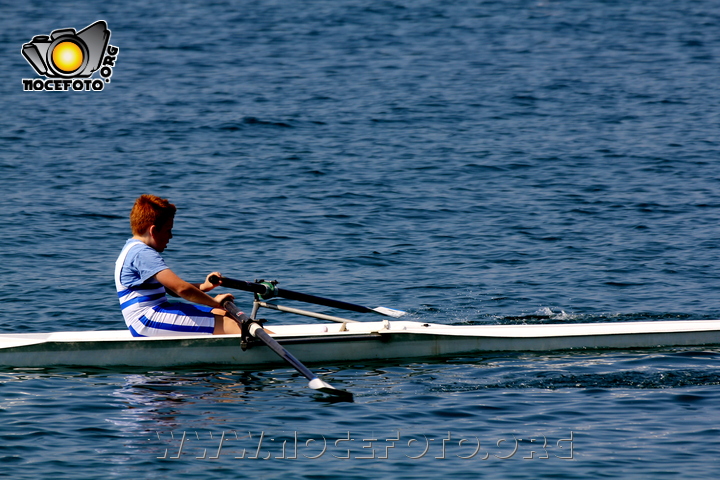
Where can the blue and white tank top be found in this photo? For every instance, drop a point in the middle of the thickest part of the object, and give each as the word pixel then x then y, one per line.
pixel 138 291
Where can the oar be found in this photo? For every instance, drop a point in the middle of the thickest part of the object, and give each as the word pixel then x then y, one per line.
pixel 256 331
pixel 267 290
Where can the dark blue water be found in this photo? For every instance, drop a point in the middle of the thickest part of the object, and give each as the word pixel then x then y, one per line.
pixel 470 162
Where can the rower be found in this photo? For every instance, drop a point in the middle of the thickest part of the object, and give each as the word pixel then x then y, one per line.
pixel 142 279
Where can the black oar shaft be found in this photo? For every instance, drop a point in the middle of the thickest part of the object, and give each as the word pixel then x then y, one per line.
pixel 272 343
pixel 262 335
pixel 327 302
pixel 262 290
pixel 239 284
pixel 284 354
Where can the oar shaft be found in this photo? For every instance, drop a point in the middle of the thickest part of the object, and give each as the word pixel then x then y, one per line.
pixel 327 302
pixel 257 331
pixel 284 354
pixel 239 284
pixel 271 342
pixel 262 290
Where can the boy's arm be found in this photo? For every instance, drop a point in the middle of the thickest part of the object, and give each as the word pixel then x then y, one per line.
pixel 186 290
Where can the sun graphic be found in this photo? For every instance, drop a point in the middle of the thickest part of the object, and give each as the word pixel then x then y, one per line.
pixel 67 56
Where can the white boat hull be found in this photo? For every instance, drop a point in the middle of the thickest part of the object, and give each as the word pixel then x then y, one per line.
pixel 348 342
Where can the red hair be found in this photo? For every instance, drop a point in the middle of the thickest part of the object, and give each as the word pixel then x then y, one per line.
pixel 150 210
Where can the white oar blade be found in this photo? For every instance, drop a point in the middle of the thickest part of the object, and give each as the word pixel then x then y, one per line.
pixel 389 312
pixel 319 385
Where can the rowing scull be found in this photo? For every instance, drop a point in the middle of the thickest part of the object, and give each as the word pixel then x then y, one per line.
pixel 345 342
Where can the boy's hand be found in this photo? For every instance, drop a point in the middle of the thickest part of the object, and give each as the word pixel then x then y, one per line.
pixel 224 297
pixel 207 286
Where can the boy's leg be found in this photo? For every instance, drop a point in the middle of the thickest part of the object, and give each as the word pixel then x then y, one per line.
pixel 224 325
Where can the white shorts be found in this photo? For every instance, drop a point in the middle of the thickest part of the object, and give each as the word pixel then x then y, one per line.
pixel 174 319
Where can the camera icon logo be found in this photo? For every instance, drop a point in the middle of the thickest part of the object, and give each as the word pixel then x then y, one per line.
pixel 66 53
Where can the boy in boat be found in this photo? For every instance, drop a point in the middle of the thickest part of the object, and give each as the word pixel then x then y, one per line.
pixel 142 277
